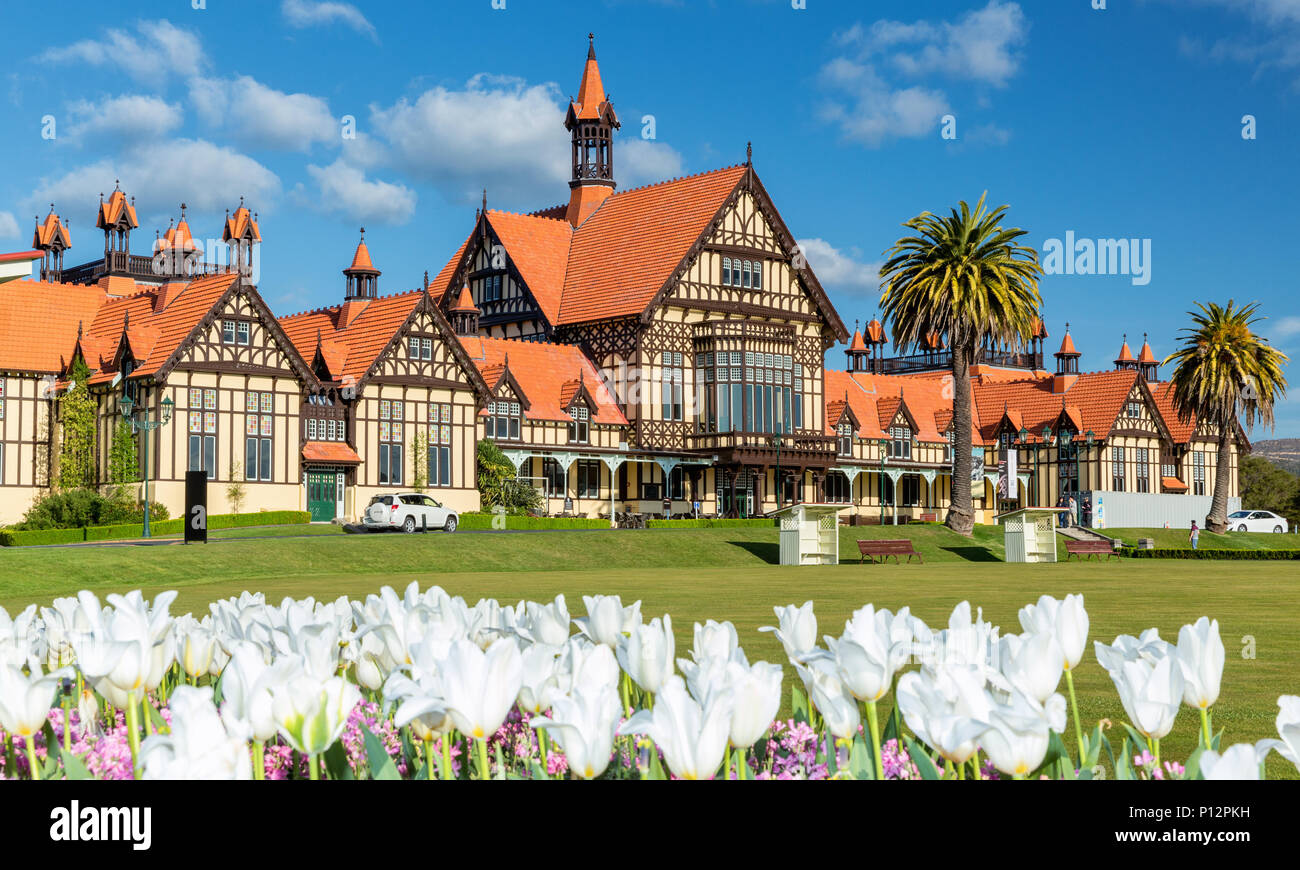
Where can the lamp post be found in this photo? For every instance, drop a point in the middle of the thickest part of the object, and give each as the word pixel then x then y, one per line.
pixel 779 487
pixel 128 409
pixel 1047 442
pixel 884 447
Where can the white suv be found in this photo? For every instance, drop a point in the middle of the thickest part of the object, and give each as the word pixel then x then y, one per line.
pixel 410 512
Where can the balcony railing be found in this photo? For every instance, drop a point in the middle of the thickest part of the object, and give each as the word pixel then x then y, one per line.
pixel 139 268
pixel 942 359
pixel 790 443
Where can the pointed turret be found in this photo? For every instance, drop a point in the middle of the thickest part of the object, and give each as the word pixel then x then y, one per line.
pixel 857 353
pixel 1125 360
pixel 362 276
pixel 51 238
pixel 1147 363
pixel 591 122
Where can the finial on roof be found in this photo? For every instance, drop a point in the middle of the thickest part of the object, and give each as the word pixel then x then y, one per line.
pixel 241 200
pixel 485 200
pixel 183 207
pixel 749 153
pixel 117 184
pixel 1067 327
pixel 591 46
pixel 80 323
pixel 126 321
pixel 318 336
pixel 426 279
pixel 363 234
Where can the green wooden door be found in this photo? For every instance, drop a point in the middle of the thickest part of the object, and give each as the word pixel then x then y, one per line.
pixel 320 495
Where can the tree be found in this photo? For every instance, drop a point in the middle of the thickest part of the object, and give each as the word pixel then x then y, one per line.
pixel 1224 370
pixel 498 484
pixel 1265 486
pixel 967 278
pixel 77 414
pixel 123 459
pixel 235 490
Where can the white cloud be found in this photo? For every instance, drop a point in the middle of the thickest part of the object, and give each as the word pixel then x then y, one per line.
pixel 640 161
pixel 263 117
pixel 1272 44
pixel 129 116
pixel 155 49
pixel 1287 327
pixel 163 174
pixel 346 189
pixel 497 132
pixel 8 226
pixel 872 105
pixel 312 13
pixel 841 270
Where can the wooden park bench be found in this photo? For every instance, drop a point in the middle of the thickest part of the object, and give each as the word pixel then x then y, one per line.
pixel 1088 549
pixel 885 549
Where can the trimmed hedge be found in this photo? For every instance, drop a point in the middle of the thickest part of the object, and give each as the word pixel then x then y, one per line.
pixel 483 522
pixel 46 537
pixel 760 522
pixel 1188 553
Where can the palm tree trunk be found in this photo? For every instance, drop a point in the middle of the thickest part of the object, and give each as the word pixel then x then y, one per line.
pixel 1217 521
pixel 961 515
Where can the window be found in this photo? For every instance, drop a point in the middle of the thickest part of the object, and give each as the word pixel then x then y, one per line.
pixel 227 332
pixel 1067 462
pixel 556 480
pixel 837 488
pixel 726 271
pixel 673 378
pixel 1133 410
pixel 242 328
pixel 440 444
pixel 589 478
pixel 578 427
pixel 911 490
pixel 419 348
pixel 1117 469
pixel 491 288
pixel 947 448
pixel 1198 473
pixel 502 422
pixel 392 418
pixel 677 484
pixel 1143 470
pixel 259 429
pixel 844 439
pixel 746 274
pixel 900 446
pixel 886 489
pixel 203 431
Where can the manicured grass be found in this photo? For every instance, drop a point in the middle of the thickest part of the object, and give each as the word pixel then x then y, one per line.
pixel 1177 539
pixel 728 574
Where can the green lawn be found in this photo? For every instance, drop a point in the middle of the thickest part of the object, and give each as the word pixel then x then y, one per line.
pixel 1177 539
pixel 728 574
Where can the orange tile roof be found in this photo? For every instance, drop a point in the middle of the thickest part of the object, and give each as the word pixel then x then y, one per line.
pixel 357 342
pixel 591 92
pixel 858 344
pixel 153 335
pixel 39 321
pixel 114 209
pixel 876 332
pixel 465 302
pixel 1147 356
pixel 1180 431
pixel 1125 355
pixel 178 237
pixel 1093 402
pixel 49 229
pixel 627 250
pixel 834 413
pixel 440 282
pixel 544 372
pixel 539 248
pixel 239 223
pixel 361 259
pixel 1067 347
pixel 330 451
pixel 1172 483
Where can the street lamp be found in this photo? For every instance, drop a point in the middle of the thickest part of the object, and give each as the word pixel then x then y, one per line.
pixel 779 487
pixel 128 409
pixel 884 448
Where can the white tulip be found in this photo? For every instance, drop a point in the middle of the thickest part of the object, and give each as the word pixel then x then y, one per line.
pixel 714 640
pixel 545 623
pixel 196 645
pixel 966 641
pixel 607 619
pixel 583 726
pixel 1288 728
pixel 1019 732
pixel 480 687
pixel 1149 648
pixel 539 683
pixel 1240 761
pixel 693 738
pixel 1032 663
pixel 198 745
pixel 1201 655
pixel 248 686
pixel 1066 620
pixel 584 663
pixel 870 651
pixel 946 708
pixel 25 701
pixel 1150 690
pixel 796 628
pixel 646 653
pixel 826 689
pixel 756 697
pixel 311 713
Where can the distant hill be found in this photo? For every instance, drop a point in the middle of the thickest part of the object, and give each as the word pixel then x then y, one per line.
pixel 1282 452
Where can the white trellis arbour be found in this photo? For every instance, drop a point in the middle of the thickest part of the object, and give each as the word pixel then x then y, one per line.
pixel 1029 534
pixel 810 533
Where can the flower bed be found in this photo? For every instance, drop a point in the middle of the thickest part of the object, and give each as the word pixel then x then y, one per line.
pixel 425 686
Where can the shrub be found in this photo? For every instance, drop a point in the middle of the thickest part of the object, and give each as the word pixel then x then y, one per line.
pixel 164 526
pixel 1185 553
pixel 514 522
pixel 759 522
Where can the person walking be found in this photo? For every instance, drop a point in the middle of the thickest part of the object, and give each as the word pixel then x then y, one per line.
pixel 1195 535
pixel 1074 511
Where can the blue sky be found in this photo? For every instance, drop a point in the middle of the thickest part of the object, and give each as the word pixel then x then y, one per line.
pixel 1119 123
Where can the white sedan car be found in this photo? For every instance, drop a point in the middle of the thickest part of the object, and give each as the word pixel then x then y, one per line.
pixel 410 512
pixel 1256 521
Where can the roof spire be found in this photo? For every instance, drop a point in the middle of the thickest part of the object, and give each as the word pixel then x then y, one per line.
pixel 591 46
pixel 426 279
pixel 749 153
pixel 485 200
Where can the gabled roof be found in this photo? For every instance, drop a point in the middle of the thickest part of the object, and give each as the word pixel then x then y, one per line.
pixel 591 102
pixel 241 224
pixel 50 229
pixel 1067 346
pixel 353 345
pixel 116 209
pixel 39 322
pixel 1163 393
pixel 1147 356
pixel 539 248
pixel 1093 402
pixel 178 238
pixel 440 282
pixel 361 259
pixel 547 375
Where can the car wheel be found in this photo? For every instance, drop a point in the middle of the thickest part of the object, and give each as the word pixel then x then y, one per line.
pixel 1277 530
pixel 409 526
pixel 1241 528
pixel 450 525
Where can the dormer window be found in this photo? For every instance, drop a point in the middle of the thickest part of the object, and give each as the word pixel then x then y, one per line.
pixel 420 348
pixel 844 439
pixel 579 427
pixel 491 287
pixel 900 446
pixel 1133 410
pixel 502 422
pixel 235 332
pixel 745 274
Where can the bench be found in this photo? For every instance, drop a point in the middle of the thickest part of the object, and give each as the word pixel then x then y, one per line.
pixel 1088 549
pixel 929 518
pixel 885 549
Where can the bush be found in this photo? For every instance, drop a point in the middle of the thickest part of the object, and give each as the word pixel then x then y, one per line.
pixel 126 531
pixel 760 522
pixel 1186 553
pixel 479 521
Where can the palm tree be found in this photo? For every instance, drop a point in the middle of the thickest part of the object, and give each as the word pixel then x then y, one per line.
pixel 967 278
pixel 1225 370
